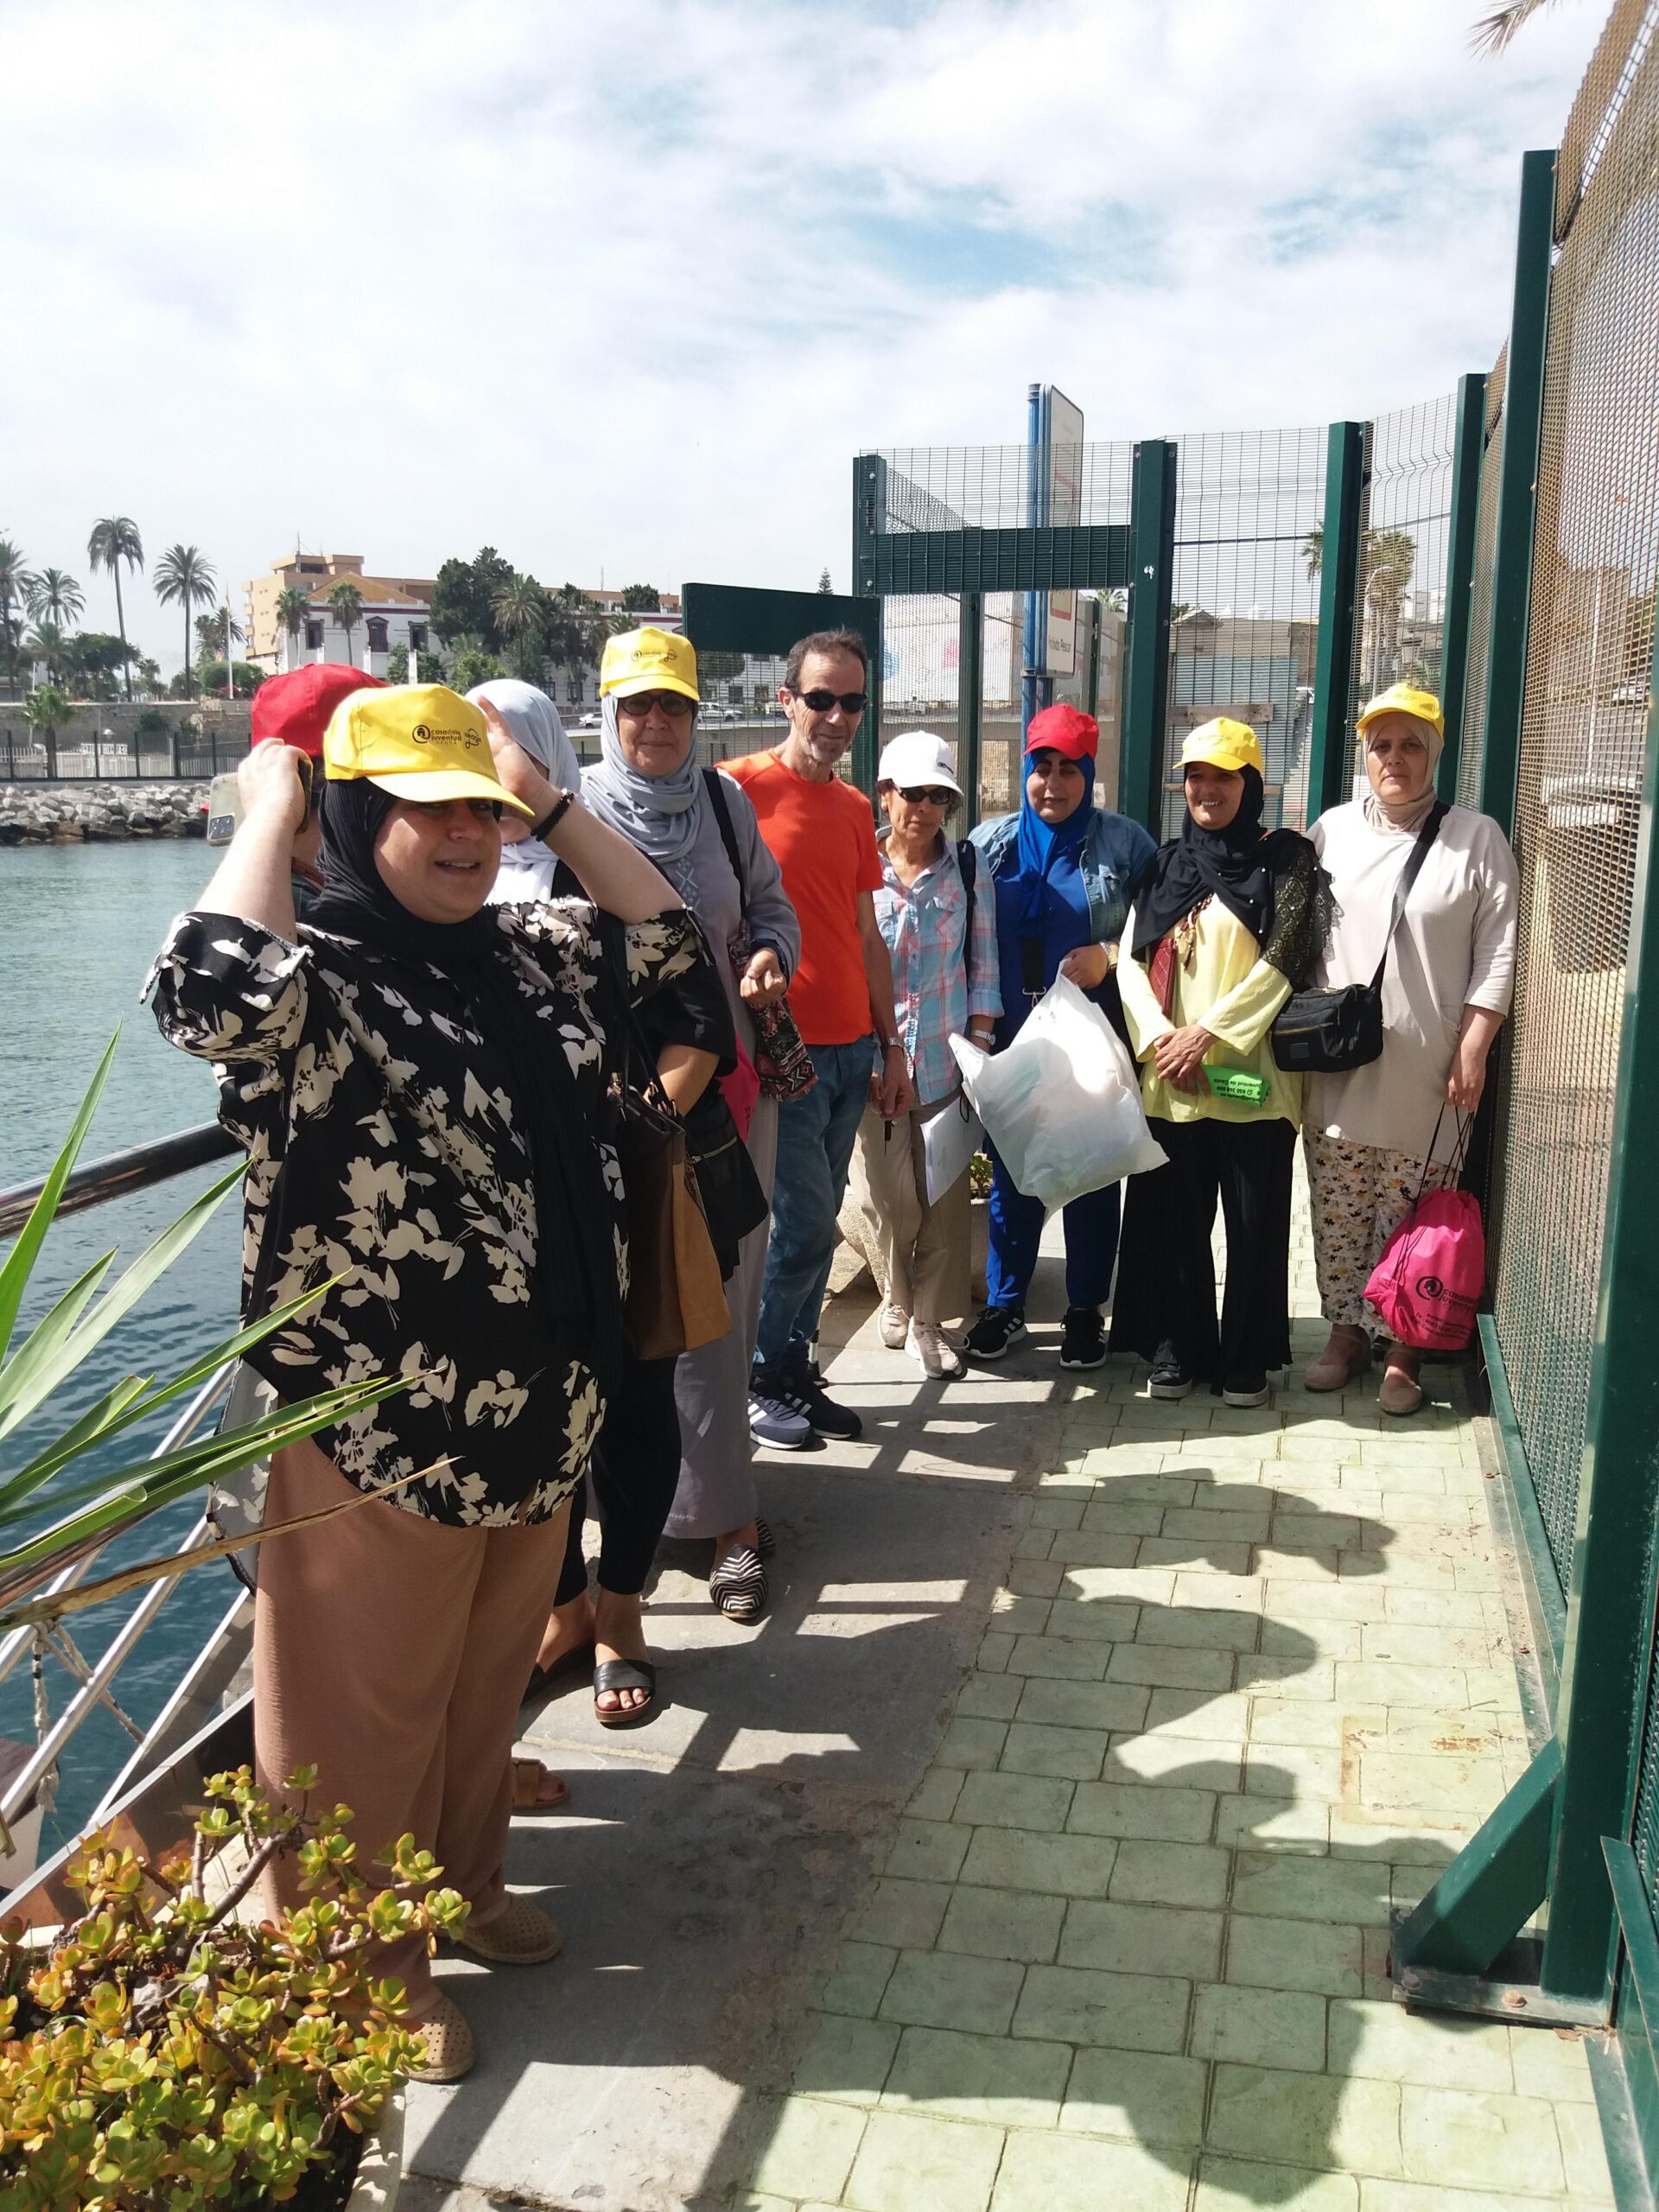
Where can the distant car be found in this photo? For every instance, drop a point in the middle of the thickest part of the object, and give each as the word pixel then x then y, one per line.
pixel 591 721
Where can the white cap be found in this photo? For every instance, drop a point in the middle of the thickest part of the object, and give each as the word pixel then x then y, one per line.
pixel 916 760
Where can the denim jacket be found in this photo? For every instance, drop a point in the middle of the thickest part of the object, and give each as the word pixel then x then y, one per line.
pixel 1114 852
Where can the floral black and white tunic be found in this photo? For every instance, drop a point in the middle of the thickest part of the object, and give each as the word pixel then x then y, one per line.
pixel 383 1150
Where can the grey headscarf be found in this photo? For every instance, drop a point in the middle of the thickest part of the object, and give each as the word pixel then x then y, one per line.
pixel 532 722
pixel 660 815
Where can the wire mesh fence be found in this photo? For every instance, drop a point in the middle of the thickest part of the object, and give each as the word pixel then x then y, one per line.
pixel 1472 757
pixel 1249 509
pixel 1590 644
pixel 1401 621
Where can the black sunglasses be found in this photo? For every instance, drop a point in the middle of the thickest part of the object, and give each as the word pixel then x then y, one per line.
pixel 850 703
pixel 638 704
pixel 930 796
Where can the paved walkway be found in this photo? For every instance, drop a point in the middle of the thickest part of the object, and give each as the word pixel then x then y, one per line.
pixel 1043 1858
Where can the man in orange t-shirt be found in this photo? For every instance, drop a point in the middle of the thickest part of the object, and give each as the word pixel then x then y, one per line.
pixel 822 835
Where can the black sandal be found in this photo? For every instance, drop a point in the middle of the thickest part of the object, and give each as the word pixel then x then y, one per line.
pixel 625 1675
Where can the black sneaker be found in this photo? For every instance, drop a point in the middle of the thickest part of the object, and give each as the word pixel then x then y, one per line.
pixel 996 1329
pixel 1084 1343
pixel 1167 1380
pixel 1245 1390
pixel 798 1390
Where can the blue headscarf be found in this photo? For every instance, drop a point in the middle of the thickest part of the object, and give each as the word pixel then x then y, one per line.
pixel 1039 845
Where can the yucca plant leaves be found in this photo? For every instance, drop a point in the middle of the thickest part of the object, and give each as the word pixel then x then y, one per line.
pixel 19 1261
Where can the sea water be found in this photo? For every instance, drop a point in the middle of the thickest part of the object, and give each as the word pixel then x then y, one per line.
pixel 80 925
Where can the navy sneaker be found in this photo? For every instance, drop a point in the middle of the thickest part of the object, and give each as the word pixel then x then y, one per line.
pixel 802 1392
pixel 771 1421
pixel 997 1328
pixel 1084 1343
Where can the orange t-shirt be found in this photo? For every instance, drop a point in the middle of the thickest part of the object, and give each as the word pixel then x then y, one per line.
pixel 823 837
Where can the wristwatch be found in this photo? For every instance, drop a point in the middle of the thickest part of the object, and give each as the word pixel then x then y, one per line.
pixel 889 1044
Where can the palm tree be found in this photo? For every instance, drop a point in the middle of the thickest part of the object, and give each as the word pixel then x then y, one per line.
pixel 1389 557
pixel 292 606
pixel 16 584
pixel 184 578
pixel 1313 550
pixel 346 605
pixel 520 609
pixel 115 539
pixel 46 710
pixel 55 597
pixel 46 644
pixel 1493 33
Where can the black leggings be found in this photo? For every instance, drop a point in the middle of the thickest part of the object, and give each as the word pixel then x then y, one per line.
pixel 636 1471
pixel 1166 1303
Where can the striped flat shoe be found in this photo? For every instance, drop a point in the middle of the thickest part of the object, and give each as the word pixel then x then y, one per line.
pixel 738 1584
pixel 764 1542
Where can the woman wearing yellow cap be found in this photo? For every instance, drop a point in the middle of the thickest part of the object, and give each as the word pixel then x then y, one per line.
pixel 1376 1135
pixel 1228 920
pixel 419 1082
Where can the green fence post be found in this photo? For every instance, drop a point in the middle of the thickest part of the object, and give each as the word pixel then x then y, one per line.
pixel 1331 764
pixel 1152 575
pixel 1610 1619
pixel 1468 443
pixel 869 520
pixel 1523 403
pixel 970 656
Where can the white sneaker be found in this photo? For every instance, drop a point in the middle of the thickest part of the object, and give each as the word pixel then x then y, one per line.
pixel 894 1325
pixel 934 1351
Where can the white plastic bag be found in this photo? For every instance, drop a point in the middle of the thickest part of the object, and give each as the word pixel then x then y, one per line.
pixel 1061 1104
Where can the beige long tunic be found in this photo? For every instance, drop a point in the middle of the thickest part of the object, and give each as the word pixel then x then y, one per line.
pixel 1455 947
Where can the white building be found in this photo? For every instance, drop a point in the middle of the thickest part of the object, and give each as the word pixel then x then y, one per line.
pixel 395 611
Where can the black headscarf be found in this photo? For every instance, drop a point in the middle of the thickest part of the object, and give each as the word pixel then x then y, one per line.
pixel 1271 880
pixel 576 1253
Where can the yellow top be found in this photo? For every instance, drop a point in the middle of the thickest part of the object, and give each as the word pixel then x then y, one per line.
pixel 1235 994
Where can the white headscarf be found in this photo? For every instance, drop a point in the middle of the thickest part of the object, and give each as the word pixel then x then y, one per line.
pixel 532 722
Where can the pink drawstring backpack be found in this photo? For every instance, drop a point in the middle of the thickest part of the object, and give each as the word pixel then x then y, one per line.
pixel 741 1092
pixel 1427 1285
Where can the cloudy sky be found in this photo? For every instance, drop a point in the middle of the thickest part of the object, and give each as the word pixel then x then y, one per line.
pixel 625 288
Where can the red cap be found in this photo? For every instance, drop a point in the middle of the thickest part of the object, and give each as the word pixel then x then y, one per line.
pixel 296 709
pixel 1064 729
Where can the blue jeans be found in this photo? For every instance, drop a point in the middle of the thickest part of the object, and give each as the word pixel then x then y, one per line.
pixel 815 1136
pixel 1016 1228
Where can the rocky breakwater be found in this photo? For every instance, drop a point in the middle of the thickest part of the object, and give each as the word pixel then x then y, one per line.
pixel 96 814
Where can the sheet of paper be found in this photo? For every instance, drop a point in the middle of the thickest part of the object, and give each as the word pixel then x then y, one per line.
pixel 950 1141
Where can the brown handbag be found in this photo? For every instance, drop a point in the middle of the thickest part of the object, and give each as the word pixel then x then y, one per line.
pixel 676 1300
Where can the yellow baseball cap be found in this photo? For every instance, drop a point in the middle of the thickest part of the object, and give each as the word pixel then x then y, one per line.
pixel 648 660
pixel 1223 744
pixel 1405 699
pixel 416 740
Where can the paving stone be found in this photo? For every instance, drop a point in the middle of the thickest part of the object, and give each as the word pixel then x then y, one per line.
pixel 1291 1888
pixel 1231 2186
pixel 1019 1615
pixel 1150 1810
pixel 1249 2025
pixel 1014 1801
pixel 1079 2173
pixel 1190 1763
pixel 1390 2044
pixel 1267 1823
pixel 1034 1542
pixel 907 2159
pixel 1163 1872
pixel 1035 1578
pixel 1289 1721
pixel 1213 1555
pixel 969 1743
pixel 989 1697
pixel 1214 1719
pixel 994 2080
pixel 1439 1783
pixel 1419 2197
pixel 904 1915
pixel 1124 1517
pixel 1201 1627
pixel 1551 2063
pixel 1143 1939
pixel 934 1796
pixel 1326 1958
pixel 847 2059
pixel 1381 1682
pixel 1240 1593
pixel 939 1989
pixel 1003 1924
pixel 1458 2136
pixel 927 1851
pixel 1313 2119
pixel 1100 1620
pixel 1058 1513
pixel 1142 2096
pixel 811 2149
pixel 1583 2151
pixel 1124 2011
pixel 993 1655
pixel 1061 1657
pixel 1232 1523
pixel 1087 1547
pixel 1075 1754
pixel 1083 1705
pixel 854 1984
pixel 1134 1584
pixel 1297 1771
pixel 1169 1667
pixel 1060 1866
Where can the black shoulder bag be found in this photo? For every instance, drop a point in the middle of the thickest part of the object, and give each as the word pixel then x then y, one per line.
pixel 1327 1031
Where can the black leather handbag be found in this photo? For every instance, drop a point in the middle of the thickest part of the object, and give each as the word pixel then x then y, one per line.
pixel 1328 1030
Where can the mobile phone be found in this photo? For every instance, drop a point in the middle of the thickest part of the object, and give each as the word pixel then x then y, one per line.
pixel 225 804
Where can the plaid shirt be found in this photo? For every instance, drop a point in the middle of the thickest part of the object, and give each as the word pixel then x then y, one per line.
pixel 923 923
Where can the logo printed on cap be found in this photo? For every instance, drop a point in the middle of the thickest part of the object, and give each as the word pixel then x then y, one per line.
pixel 423 734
